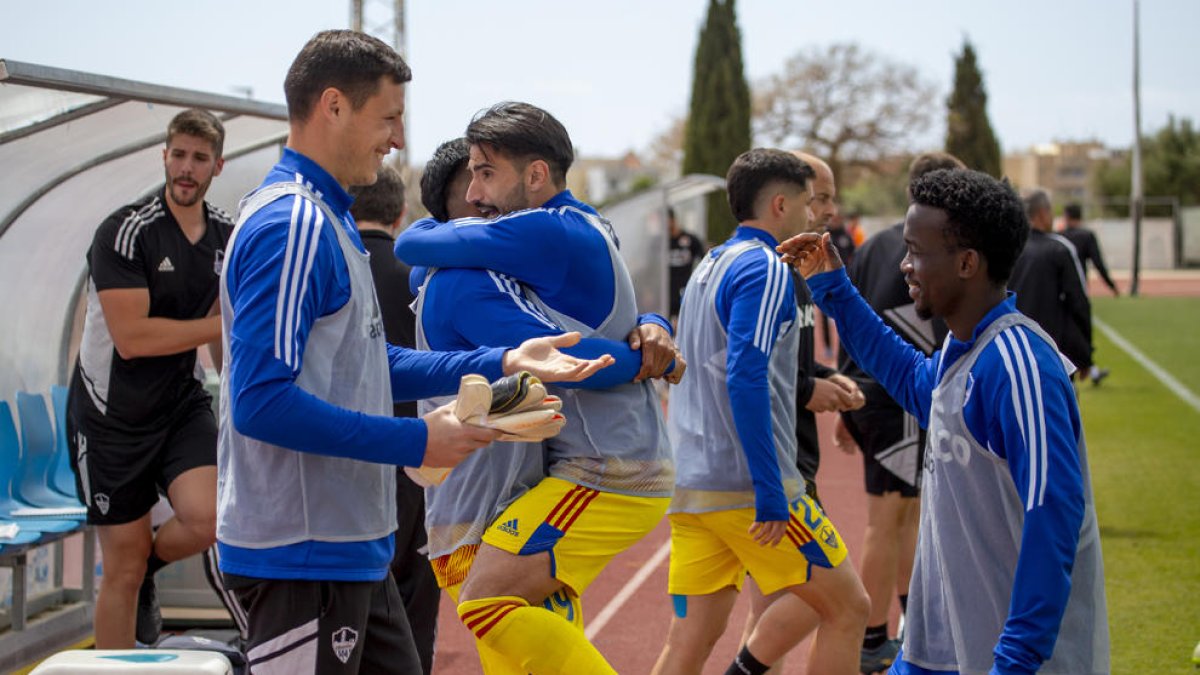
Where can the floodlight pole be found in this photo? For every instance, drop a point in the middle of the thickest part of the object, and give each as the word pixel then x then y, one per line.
pixel 1136 197
pixel 398 40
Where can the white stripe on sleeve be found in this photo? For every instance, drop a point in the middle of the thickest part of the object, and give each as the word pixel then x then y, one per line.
pixel 508 286
pixel 772 302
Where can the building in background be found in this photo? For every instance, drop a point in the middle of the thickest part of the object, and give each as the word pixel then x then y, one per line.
pixel 1065 169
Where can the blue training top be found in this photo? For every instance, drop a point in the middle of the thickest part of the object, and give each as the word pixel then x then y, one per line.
pixel 281 279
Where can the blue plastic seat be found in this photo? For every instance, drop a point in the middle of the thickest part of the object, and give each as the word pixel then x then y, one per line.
pixel 62 478
pixel 37 454
pixel 10 462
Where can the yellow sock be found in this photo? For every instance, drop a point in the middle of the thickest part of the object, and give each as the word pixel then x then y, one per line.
pixel 537 640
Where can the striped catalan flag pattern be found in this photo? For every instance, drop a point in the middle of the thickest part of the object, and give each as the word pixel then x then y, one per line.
pixel 480 621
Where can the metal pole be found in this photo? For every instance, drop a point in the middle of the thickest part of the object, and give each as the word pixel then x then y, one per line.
pixel 402 47
pixel 356 15
pixel 1136 196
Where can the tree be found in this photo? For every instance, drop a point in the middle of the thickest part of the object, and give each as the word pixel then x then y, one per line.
pixel 969 134
pixel 1170 167
pixel 843 104
pixel 718 127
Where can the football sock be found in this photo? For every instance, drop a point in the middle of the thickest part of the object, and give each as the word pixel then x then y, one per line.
pixel 154 564
pixel 746 664
pixel 531 637
pixel 875 636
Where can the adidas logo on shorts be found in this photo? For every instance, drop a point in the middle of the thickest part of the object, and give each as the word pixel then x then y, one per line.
pixel 509 527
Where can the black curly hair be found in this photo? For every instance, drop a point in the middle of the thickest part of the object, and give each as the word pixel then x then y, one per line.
pixel 984 214
pixel 449 158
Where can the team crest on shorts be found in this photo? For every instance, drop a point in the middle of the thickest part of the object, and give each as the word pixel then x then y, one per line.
pixel 102 503
pixel 829 536
pixel 344 640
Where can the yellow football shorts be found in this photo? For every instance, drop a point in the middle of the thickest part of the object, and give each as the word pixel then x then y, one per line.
pixel 710 551
pixel 581 528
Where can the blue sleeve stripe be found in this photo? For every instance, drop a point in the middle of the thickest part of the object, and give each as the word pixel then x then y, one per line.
pixel 772 301
pixel 1021 364
pixel 509 287
pixel 298 257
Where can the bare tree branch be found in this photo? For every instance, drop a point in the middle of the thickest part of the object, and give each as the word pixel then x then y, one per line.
pixel 850 106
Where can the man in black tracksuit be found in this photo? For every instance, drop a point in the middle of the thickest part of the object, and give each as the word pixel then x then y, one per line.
pixel 1086 245
pixel 1049 284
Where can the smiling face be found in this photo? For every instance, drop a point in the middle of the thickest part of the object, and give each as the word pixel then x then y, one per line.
pixel 366 135
pixel 932 264
pixel 190 163
pixel 497 182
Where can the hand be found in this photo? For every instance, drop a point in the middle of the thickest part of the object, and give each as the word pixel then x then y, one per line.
pixel 449 440
pixel 857 398
pixel 769 533
pixel 842 438
pixel 658 351
pixel 810 253
pixel 541 357
pixel 828 396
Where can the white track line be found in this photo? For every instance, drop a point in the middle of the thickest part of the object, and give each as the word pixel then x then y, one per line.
pixel 610 610
pixel 1156 370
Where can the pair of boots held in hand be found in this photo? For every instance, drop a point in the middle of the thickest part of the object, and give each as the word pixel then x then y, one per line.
pixel 517 404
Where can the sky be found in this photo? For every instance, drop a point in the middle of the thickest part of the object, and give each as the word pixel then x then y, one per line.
pixel 617 72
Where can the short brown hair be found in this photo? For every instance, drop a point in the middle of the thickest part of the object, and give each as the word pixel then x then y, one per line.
pixel 382 201
pixel 349 61
pixel 201 124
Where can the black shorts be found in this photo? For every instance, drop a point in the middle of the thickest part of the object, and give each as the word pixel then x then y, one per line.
pixel 327 627
pixel 120 473
pixel 892 448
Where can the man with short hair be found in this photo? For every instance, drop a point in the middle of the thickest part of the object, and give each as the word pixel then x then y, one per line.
pixel 468 308
pixel 1087 246
pixel 1050 286
pixel 139 421
pixel 308 446
pixel 890 440
pixel 740 504
pixel 819 388
pixel 1008 576
pixel 610 469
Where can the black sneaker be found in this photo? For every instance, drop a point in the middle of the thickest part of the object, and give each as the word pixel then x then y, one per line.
pixel 878 660
pixel 1098 376
pixel 149 614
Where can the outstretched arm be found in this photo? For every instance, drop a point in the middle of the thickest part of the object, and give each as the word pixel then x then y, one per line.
pixel 905 372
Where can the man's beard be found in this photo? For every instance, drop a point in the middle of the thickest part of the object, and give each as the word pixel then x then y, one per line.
pixel 198 193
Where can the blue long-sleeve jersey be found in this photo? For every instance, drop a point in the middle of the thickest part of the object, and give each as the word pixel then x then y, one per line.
pixel 1033 426
pixel 280 280
pixel 755 302
pixel 548 248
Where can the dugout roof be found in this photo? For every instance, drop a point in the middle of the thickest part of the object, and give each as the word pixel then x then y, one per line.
pixel 75 146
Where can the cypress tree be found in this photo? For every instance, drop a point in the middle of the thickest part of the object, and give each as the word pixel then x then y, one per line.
pixel 969 134
pixel 718 128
